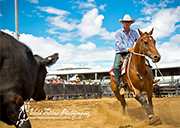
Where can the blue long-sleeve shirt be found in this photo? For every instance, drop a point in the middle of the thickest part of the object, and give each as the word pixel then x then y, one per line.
pixel 124 41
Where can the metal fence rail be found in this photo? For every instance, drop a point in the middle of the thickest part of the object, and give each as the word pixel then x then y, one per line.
pixel 165 91
pixel 66 89
pixel 169 90
pixel 107 91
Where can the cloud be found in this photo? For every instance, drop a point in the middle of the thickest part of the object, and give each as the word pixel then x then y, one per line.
pixel 1 14
pixel 90 1
pixel 33 1
pixel 149 9
pixel 39 14
pixel 52 10
pixel 164 3
pixel 147 18
pixel 164 22
pixel 134 1
pixel 101 7
pixel 90 24
pixel 69 54
pixel 60 21
pixel 170 52
pixel 66 36
pixel 85 5
pixel 175 38
pixel 107 35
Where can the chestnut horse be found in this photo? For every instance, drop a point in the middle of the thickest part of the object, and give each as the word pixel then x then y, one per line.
pixel 138 76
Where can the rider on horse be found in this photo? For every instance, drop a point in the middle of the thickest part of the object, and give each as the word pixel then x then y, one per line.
pixel 125 39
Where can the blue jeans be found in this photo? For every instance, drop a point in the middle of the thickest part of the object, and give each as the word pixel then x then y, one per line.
pixel 117 67
pixel 150 68
pixel 151 72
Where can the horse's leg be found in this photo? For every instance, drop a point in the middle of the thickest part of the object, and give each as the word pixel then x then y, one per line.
pixel 139 97
pixel 116 92
pixel 150 102
pixel 121 99
pixel 155 119
pixel 149 95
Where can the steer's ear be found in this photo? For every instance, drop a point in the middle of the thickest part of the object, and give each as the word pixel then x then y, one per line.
pixel 50 60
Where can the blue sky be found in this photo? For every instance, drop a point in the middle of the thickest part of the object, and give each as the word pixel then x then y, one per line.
pixel 82 31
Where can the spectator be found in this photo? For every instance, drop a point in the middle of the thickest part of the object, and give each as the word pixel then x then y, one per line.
pixel 90 82
pixel 66 82
pixel 48 81
pixel 78 81
pixel 72 82
pixel 60 81
pixel 55 81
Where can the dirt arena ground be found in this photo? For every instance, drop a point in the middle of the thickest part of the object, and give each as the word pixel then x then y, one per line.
pixel 100 113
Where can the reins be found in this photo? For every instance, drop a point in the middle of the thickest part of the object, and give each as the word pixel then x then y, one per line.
pixel 128 75
pixel 140 76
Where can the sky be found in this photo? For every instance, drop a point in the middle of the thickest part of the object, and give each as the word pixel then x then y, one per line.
pixel 82 31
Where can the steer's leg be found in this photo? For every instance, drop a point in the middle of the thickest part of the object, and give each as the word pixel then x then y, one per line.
pixel 16 112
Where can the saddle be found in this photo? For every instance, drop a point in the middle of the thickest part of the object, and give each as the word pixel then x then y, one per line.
pixel 123 64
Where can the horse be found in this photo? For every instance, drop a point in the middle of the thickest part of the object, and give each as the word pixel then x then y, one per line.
pixel 138 76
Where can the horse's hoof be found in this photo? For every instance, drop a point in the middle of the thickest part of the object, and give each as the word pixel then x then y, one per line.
pixel 155 120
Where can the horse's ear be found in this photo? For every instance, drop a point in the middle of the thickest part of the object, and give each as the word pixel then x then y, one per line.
pixel 141 33
pixel 151 32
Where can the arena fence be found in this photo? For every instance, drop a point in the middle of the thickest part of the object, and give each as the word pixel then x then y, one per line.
pixel 169 91
pixel 84 90
pixel 165 91
pixel 107 91
pixel 66 90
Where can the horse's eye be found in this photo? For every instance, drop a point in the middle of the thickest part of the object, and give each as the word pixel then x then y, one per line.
pixel 146 42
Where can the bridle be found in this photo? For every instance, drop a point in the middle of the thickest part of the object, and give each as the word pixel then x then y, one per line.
pixel 144 51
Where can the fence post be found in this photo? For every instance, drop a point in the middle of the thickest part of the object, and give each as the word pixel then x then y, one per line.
pixel 99 90
pixel 64 91
pixel 177 87
pixel 84 91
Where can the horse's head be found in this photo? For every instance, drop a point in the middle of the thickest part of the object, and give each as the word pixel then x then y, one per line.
pixel 147 46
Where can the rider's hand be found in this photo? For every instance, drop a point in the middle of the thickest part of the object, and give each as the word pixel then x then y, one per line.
pixel 131 49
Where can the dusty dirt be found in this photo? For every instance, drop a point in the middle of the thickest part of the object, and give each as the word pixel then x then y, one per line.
pixel 100 113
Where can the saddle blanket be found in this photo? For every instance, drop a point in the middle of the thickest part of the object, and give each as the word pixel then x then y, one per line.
pixel 122 70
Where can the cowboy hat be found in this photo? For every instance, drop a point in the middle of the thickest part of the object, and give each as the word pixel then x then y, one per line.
pixel 127 18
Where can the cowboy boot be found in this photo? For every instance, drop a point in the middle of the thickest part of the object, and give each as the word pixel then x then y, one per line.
pixel 122 91
pixel 122 87
pixel 155 81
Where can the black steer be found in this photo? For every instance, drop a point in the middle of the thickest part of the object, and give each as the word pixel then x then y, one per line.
pixel 22 76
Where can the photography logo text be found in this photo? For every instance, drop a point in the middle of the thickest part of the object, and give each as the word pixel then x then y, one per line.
pixel 47 113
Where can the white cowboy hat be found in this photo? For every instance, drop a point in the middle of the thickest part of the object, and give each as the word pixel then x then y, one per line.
pixel 127 18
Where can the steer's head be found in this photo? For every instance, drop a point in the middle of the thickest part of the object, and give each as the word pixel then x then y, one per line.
pixel 39 93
